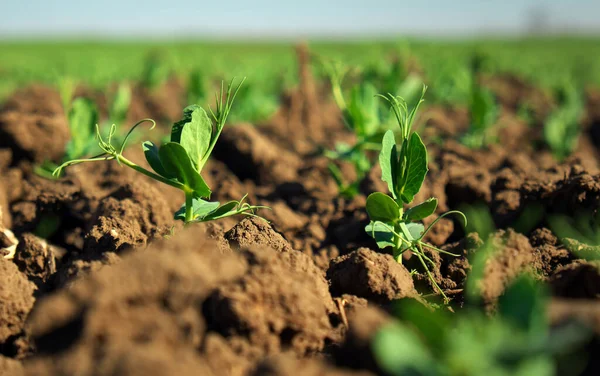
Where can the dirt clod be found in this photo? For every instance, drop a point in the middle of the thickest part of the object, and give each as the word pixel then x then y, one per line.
pixel 16 295
pixel 374 276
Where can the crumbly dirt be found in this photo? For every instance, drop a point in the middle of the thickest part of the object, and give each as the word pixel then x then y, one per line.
pixel 16 295
pixel 118 287
pixel 33 125
pixel 11 367
pixel 253 312
pixel 370 275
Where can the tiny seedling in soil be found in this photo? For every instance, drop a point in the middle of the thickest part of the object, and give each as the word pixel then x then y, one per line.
pixel 361 113
pixel 518 340
pixel 562 127
pixel 179 162
pixel 82 118
pixel 403 168
pixel 196 87
pixel 483 111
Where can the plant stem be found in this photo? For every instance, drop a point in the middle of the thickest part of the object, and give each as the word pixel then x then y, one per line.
pixel 398 241
pixel 420 257
pixel 189 207
pixel 121 159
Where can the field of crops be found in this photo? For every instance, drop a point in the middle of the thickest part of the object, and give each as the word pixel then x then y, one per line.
pixel 414 207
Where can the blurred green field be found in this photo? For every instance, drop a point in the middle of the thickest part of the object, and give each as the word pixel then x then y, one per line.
pixel 545 62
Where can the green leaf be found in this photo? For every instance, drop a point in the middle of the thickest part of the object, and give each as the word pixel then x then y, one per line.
pixel 411 232
pixel 179 125
pixel 388 160
pixel 524 305
pixel 434 326
pixel 421 211
pixel 83 117
pixel 196 135
pixel 381 233
pixel 399 351
pixel 222 210
pixel 153 158
pixel 414 170
pixel 200 209
pixel 175 160
pixel 120 104
pixel 362 112
pixel 382 207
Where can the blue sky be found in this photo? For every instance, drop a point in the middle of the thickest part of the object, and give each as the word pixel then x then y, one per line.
pixel 175 18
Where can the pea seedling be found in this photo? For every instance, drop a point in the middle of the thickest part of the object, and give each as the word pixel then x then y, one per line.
pixel 82 117
pixel 404 170
pixel 562 127
pixel 179 162
pixel 483 110
pixel 361 114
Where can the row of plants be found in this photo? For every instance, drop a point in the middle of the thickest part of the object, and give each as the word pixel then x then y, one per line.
pixel 427 340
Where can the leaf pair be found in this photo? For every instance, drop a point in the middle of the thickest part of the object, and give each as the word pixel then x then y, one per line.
pixel 362 110
pixel 403 172
pixel 389 227
pixel 382 207
pixel 184 156
pixel 204 211
pixel 83 117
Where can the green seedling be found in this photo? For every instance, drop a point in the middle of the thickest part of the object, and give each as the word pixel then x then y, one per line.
pixel 258 102
pixel 483 111
pixel 361 113
pixel 119 106
pixel 155 71
pixel 580 234
pixel 518 340
pixel 403 168
pixel 179 162
pixel 66 89
pixel 393 77
pixel 562 127
pixel 82 119
pixel 196 87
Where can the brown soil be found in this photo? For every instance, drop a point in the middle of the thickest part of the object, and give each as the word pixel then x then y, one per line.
pixel 117 287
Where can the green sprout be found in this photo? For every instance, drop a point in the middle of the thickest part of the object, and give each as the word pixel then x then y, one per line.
pixel 119 105
pixel 82 118
pixel 483 110
pixel 179 162
pixel 258 102
pixel 562 127
pixel 155 72
pixel 361 114
pixel 518 340
pixel 403 168
pixel 196 87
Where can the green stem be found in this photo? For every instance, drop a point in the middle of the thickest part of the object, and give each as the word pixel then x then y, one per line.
pixel 338 96
pixel 189 207
pixel 121 159
pixel 429 273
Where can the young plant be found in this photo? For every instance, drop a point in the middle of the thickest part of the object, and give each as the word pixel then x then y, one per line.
pixel 179 162
pixel 258 102
pixel 403 168
pixel 82 118
pixel 483 111
pixel 196 87
pixel 562 127
pixel 361 113
pixel 119 106
pixel 155 71
pixel 518 340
